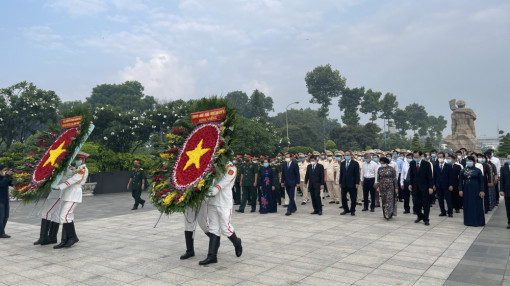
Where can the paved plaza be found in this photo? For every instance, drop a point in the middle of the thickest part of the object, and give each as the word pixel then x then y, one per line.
pixel 121 247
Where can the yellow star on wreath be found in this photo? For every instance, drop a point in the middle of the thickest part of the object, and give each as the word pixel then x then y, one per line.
pixel 54 154
pixel 195 155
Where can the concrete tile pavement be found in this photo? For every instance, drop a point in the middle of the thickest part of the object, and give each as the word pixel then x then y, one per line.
pixel 120 247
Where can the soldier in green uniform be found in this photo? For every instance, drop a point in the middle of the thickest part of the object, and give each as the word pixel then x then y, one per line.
pixel 238 162
pixel 248 182
pixel 138 181
pixel 276 166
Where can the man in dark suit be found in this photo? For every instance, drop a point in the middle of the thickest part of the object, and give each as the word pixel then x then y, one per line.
pixel 349 182
pixel 290 180
pixel 505 187
pixel 442 172
pixel 314 182
pixel 454 183
pixel 421 186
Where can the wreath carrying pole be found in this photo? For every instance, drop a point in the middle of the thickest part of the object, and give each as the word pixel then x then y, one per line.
pixel 160 215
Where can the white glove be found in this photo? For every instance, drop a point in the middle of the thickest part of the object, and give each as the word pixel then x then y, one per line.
pixel 213 191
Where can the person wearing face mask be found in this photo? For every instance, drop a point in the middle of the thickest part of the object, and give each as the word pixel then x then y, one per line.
pixel 249 177
pixel 314 181
pixel 267 193
pixel 488 179
pixel 138 182
pixel 387 187
pixel 399 160
pixel 375 159
pixel 302 164
pixel 404 183
pixel 336 185
pixel 290 180
pixel 349 183
pixel 367 178
pixel 5 183
pixel 236 191
pixel 433 157
pixel 505 187
pixel 71 194
pixel 421 184
pixel 442 174
pixel 454 182
pixel 497 165
pixel 471 189
pixel 330 177
pixel 463 156
pixel 277 171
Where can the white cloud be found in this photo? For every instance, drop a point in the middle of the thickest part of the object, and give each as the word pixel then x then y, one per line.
pixel 162 76
pixel 43 36
pixel 79 7
pixel 257 84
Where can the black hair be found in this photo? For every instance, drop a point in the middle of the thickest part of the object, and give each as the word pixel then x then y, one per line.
pixel 417 151
pixel 471 158
pixel 385 160
pixel 451 157
pixel 409 154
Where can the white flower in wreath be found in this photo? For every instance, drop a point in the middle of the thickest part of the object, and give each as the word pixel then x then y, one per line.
pixel 164 116
pixel 113 133
pixel 105 138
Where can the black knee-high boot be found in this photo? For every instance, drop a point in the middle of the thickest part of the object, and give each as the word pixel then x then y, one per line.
pixel 63 240
pixel 190 251
pixel 72 238
pixel 43 235
pixel 214 244
pixel 52 237
pixel 236 241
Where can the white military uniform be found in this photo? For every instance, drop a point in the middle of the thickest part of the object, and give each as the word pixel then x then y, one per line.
pixel 302 173
pixel 218 208
pixel 331 168
pixel 52 206
pixel 190 214
pixel 71 193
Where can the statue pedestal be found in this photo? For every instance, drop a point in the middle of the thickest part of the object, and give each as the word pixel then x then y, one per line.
pixel 459 141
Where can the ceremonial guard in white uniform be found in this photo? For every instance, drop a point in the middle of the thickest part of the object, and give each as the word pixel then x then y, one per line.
pixel 190 217
pixel 215 219
pixel 71 194
pixel 50 221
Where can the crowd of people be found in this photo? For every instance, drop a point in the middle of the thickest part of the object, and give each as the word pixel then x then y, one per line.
pixel 463 180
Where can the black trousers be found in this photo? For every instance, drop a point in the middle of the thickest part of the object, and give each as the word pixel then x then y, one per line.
pixel 406 195
pixel 315 193
pixel 249 192
pixel 4 215
pixel 400 194
pixel 442 195
pixel 421 201
pixel 456 199
pixel 137 193
pixel 236 193
pixel 507 207
pixel 368 188
pixel 290 192
pixel 353 194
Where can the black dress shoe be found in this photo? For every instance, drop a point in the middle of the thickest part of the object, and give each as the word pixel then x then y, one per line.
pixel 359 204
pixel 364 210
pixel 314 212
pixel 337 202
pixel 134 208
pixel 426 223
pixel 508 226
pixel 372 210
pixel 285 206
pixel 343 213
pixel 417 220
pixel 294 211
pixel 252 211
pixel 450 215
pixel 442 214
pixel 353 214
pixel 303 203
pixel 319 213
pixel 457 211
pixel 142 203
pixel 406 212
pixel 5 235
pixel 240 211
pixel 288 213
pixel 332 202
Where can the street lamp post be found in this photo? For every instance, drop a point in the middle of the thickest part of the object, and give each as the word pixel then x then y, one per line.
pixel 287 121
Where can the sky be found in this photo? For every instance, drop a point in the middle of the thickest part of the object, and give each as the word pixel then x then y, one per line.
pixel 426 52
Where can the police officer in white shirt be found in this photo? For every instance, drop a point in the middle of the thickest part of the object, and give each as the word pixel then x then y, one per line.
pixel 368 174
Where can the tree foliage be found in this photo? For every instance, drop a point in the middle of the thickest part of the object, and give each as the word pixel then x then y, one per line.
pixel 257 136
pixel 415 144
pixel 349 103
pixel 371 104
pixel 24 109
pixel 363 135
pixel 127 96
pixel 259 105
pixel 504 145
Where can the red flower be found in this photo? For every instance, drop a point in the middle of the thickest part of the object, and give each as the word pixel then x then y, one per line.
pixel 178 130
pixel 213 170
pixel 173 150
pixel 221 144
pixel 196 189
pixel 179 195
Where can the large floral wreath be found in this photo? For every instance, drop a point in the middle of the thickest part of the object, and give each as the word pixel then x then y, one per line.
pixel 34 181
pixel 192 157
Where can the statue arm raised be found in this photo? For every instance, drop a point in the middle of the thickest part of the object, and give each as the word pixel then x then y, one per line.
pixel 453 107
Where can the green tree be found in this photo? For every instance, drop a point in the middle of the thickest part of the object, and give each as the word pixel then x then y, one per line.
pixel 238 100
pixel 330 144
pixel 428 145
pixel 24 109
pixel 354 146
pixel 436 127
pixel 349 102
pixel 388 105
pixel 127 96
pixel 415 144
pixel 300 149
pixel 363 135
pixel 256 136
pixel 259 104
pixel 401 120
pixel 504 145
pixel 371 104
pixel 417 118
pixel 323 84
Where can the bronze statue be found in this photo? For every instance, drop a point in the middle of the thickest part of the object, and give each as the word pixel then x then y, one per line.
pixel 463 127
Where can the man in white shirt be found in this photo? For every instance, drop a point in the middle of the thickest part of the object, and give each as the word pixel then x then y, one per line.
pixel 303 164
pixel 404 183
pixel 368 174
